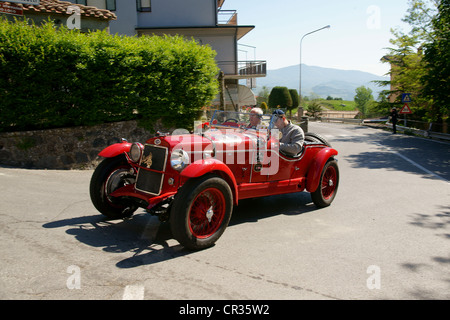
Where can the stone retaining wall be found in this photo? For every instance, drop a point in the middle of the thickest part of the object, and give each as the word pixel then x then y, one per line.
pixel 65 148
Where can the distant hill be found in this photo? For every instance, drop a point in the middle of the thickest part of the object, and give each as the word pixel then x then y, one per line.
pixel 322 81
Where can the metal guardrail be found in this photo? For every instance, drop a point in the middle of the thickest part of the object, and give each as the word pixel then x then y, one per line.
pixel 424 133
pixel 436 135
pixel 420 132
pixel 347 120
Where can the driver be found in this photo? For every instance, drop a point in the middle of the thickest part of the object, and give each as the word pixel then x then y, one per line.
pixel 255 118
pixel 292 136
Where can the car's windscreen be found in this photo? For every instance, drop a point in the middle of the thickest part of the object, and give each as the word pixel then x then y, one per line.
pixel 232 119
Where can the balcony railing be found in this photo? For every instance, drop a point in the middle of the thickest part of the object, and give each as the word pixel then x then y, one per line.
pixel 227 17
pixel 252 68
pixel 243 69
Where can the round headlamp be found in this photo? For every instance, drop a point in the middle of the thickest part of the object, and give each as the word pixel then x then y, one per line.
pixel 179 159
pixel 136 152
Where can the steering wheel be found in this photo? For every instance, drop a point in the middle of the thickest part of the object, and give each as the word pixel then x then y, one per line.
pixel 231 120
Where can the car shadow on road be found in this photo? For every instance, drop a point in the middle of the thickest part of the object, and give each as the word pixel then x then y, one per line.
pixel 252 210
pixel 143 235
pixel 151 241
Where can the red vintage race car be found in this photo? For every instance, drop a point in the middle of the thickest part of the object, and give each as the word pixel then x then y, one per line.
pixel 194 180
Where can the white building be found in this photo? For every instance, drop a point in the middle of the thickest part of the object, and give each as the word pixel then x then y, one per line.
pixel 203 20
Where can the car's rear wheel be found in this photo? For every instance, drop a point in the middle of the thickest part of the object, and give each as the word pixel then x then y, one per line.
pixel 328 185
pixel 110 175
pixel 315 137
pixel 201 212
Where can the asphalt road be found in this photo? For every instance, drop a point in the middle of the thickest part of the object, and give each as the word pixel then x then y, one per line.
pixel 386 236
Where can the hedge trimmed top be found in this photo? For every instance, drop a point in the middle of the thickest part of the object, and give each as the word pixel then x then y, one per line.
pixel 53 77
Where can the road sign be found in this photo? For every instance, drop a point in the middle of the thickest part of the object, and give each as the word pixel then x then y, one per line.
pixel 11 8
pixel 406 98
pixel 406 109
pixel 35 2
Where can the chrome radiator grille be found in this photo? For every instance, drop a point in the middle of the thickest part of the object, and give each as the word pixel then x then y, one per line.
pixel 155 158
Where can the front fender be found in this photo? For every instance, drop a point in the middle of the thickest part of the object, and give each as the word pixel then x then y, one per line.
pixel 201 167
pixel 314 172
pixel 115 150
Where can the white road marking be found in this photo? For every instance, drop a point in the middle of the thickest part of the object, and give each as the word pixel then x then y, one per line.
pixel 133 293
pixel 412 162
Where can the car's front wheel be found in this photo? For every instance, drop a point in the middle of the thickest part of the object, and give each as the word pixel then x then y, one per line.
pixel 328 185
pixel 110 175
pixel 201 212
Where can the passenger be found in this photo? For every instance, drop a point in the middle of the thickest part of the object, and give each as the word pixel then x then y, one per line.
pixel 255 118
pixel 292 136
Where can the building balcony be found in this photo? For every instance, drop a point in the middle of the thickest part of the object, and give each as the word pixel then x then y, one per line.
pixel 243 69
pixel 227 18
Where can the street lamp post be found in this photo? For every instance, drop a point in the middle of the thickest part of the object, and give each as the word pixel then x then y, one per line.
pixel 301 41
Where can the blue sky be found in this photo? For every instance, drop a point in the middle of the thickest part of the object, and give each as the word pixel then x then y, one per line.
pixel 359 33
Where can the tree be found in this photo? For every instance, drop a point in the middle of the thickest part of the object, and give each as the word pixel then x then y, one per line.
pixel 408 66
pixel 295 100
pixel 314 109
pixel 263 95
pixel 406 73
pixel 437 56
pixel 419 16
pixel 264 107
pixel 280 98
pixel 382 106
pixel 363 98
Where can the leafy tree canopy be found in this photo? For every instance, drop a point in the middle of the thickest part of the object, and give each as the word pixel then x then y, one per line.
pixel 419 60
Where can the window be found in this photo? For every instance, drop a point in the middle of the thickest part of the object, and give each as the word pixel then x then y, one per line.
pixel 111 5
pixel 144 5
pixel 101 4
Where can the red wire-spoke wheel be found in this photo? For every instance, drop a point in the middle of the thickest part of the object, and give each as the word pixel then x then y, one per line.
pixel 329 182
pixel 207 213
pixel 201 212
pixel 328 185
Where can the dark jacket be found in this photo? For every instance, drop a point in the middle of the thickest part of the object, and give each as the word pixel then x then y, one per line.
pixel 394 116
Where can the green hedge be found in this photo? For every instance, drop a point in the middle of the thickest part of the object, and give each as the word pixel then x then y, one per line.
pixel 280 98
pixel 53 77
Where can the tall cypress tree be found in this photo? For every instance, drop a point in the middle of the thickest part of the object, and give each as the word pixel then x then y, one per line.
pixel 280 98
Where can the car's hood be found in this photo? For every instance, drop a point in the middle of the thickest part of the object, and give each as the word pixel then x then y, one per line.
pixel 215 139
